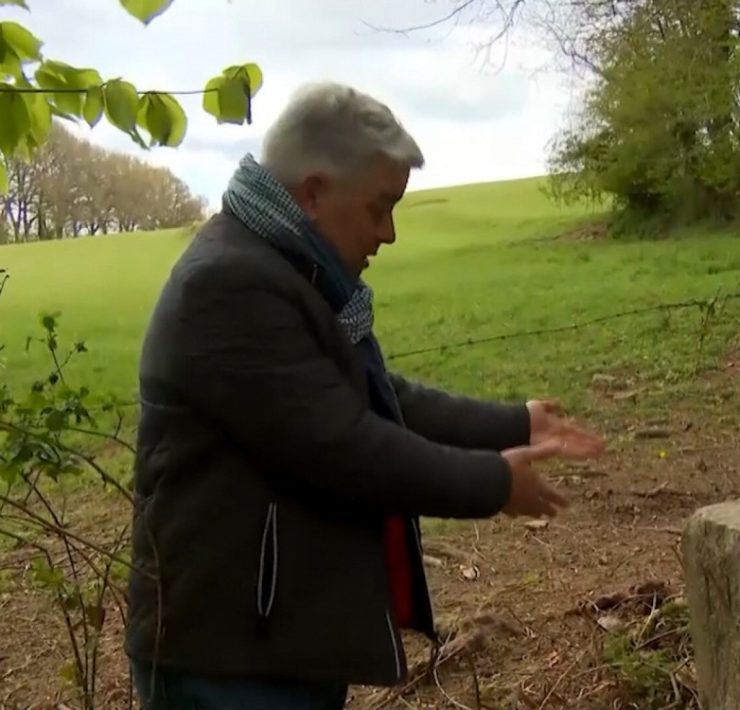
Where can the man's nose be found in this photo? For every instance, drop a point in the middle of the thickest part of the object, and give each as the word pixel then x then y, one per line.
pixel 388 233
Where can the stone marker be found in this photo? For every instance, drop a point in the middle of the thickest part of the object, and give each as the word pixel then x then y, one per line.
pixel 711 551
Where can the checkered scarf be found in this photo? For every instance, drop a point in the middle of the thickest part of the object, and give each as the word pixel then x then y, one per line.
pixel 265 207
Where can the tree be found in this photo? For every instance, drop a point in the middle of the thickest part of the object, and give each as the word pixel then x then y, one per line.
pixel 28 103
pixel 660 126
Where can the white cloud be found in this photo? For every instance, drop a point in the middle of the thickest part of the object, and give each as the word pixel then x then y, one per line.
pixel 473 124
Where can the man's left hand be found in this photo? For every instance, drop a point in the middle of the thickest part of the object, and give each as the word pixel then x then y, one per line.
pixel 548 422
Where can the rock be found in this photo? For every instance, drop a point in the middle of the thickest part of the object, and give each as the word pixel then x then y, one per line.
pixel 711 551
pixel 610 623
pixel 433 561
pixel 539 524
pixel 470 573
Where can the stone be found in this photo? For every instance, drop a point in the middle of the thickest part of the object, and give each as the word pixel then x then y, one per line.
pixel 711 552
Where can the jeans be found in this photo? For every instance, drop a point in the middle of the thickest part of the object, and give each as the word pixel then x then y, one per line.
pixel 174 690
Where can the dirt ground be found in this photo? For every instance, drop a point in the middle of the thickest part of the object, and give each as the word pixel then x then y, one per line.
pixel 527 610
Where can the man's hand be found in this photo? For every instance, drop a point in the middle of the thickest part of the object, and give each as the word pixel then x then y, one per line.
pixel 548 423
pixel 530 494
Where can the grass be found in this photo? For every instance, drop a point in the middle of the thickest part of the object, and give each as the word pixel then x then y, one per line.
pixel 470 262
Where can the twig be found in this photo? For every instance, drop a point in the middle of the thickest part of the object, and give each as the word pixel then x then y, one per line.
pixel 562 677
pixel 42 522
pixel 476 681
pixel 659 637
pixel 68 90
pixel 667 530
pixel 448 697
pixel 75 575
pixel 416 28
pixel 56 444
pixel 60 598
pixel 103 435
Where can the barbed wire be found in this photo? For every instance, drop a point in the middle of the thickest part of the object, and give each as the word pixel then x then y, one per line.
pixel 692 303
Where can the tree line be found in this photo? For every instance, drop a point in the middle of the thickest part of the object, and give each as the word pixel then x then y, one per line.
pixel 658 133
pixel 71 188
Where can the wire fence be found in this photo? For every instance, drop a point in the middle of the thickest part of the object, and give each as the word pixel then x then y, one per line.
pixel 711 302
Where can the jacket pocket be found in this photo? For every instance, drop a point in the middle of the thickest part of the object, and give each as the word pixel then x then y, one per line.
pixel 268 566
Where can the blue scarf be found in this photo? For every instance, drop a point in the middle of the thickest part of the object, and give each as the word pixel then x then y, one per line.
pixel 266 208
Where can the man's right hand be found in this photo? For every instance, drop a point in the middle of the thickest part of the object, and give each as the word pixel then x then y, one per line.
pixel 530 494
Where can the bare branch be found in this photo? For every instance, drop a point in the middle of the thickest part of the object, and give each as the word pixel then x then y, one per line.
pixel 454 14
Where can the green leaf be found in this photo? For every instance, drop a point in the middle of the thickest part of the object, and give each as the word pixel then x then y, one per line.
pixel 93 108
pixel 233 101
pixel 70 83
pixel 178 120
pixel 146 10
pixel 3 177
pixel 121 104
pixel 40 114
pixel 71 674
pixel 26 46
pixel 48 576
pixel 16 121
pixel 72 77
pixel 56 420
pixel 150 118
pixel 251 72
pixel 19 3
pixel 9 472
pixel 163 117
pixel 67 98
pixel 227 99
pixel 10 64
pixel 49 321
pixel 210 95
pixel 95 615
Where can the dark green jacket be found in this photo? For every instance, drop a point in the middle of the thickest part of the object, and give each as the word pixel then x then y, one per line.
pixel 263 477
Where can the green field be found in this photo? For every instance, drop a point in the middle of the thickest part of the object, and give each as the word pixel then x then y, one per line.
pixel 470 262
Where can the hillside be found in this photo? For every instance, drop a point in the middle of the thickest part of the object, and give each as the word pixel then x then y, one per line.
pixel 469 262
pixel 489 291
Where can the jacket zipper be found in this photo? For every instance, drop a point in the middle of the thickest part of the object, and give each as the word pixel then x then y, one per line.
pixel 394 643
pixel 269 537
pixel 417 537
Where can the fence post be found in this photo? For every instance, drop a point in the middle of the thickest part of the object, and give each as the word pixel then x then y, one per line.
pixel 711 552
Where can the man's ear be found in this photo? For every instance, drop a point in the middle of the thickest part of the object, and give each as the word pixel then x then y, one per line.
pixel 311 194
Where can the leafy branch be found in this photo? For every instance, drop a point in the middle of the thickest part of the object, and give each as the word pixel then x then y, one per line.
pixel 35 461
pixel 34 89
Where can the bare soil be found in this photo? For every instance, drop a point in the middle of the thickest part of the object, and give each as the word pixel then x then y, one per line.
pixel 526 604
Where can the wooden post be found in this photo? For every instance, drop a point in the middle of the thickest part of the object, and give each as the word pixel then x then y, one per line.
pixel 711 552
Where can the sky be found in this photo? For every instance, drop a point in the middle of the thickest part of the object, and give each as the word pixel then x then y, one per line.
pixel 475 119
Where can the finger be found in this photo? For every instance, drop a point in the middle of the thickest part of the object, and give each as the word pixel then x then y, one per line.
pixel 580 444
pixel 545 450
pixel 552 494
pixel 545 507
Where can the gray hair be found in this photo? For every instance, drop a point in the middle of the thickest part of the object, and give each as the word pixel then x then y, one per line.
pixel 334 129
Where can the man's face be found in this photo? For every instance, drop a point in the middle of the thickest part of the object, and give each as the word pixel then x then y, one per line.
pixel 356 216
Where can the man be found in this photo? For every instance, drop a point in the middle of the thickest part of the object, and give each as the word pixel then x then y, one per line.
pixel 281 470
